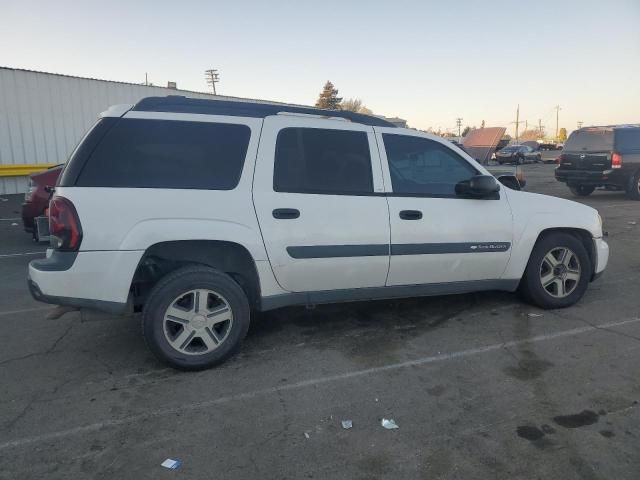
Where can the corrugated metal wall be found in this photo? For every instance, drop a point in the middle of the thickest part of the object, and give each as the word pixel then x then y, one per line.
pixel 43 116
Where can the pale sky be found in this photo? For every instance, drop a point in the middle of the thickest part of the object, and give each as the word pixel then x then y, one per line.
pixel 426 61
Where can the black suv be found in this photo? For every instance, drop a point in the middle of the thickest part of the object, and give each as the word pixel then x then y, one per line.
pixel 602 157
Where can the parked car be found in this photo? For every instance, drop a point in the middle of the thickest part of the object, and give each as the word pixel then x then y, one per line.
pixel 513 179
pixel 517 154
pixel 208 210
pixel 551 146
pixel 36 198
pixel 602 157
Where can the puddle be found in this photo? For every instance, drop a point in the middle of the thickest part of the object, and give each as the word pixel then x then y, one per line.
pixel 577 420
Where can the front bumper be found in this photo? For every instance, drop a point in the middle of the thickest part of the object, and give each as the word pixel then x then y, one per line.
pixel 601 250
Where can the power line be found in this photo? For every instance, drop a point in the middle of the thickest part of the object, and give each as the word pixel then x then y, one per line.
pixel 212 76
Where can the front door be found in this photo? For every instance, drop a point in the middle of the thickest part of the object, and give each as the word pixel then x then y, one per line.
pixel 318 194
pixel 437 237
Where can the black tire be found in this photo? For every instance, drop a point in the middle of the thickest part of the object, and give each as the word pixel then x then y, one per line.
pixel 582 190
pixel 539 158
pixel 531 285
pixel 633 189
pixel 182 281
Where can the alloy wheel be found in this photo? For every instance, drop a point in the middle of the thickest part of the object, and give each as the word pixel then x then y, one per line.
pixel 197 322
pixel 560 272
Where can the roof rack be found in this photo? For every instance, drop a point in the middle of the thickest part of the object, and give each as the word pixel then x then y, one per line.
pixel 181 104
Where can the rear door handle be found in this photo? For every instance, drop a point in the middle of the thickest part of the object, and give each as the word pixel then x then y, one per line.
pixel 410 214
pixel 286 213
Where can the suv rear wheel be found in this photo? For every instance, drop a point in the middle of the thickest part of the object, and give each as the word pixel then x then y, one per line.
pixel 582 190
pixel 633 190
pixel 195 317
pixel 558 271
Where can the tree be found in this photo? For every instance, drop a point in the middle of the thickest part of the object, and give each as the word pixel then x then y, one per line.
pixel 530 135
pixel 482 124
pixel 355 105
pixel 328 98
pixel 466 130
pixel 562 135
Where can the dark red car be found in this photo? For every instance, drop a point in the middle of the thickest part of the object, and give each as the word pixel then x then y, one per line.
pixel 36 199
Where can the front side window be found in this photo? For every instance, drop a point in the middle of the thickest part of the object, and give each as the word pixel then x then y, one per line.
pixel 140 153
pixel 316 160
pixel 424 167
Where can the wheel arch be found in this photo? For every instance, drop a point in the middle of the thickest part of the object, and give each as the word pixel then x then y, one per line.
pixel 518 265
pixel 165 257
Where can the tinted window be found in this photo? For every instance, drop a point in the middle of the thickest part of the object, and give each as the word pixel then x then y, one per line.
pixel 314 160
pixel 595 140
pixel 168 154
pixel 627 139
pixel 421 166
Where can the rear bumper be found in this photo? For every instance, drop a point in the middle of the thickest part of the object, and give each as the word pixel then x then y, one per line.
pixel 29 212
pixel 110 307
pixel 589 177
pixel 98 280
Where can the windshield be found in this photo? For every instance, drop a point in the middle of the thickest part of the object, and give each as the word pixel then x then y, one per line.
pixel 510 149
pixel 595 140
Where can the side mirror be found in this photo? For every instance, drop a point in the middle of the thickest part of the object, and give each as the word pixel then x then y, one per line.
pixel 480 186
pixel 510 181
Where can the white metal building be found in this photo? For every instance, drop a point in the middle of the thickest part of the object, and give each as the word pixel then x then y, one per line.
pixel 44 115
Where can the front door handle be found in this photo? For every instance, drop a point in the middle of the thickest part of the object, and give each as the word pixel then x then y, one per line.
pixel 410 214
pixel 286 213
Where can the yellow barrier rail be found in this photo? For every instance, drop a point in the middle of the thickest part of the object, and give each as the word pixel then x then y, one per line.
pixel 24 170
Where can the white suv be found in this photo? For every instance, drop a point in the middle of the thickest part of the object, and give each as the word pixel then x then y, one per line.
pixel 197 212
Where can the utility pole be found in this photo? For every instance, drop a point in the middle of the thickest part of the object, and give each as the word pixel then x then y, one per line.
pixel 517 122
pixel 557 107
pixel 579 124
pixel 459 124
pixel 540 128
pixel 212 76
pixel 526 125
pixel 146 79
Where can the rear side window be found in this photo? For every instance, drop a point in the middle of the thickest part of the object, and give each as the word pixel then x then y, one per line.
pixel 315 160
pixel 419 166
pixel 628 140
pixel 596 140
pixel 168 154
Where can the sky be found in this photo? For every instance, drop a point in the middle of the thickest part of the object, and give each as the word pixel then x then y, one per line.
pixel 426 61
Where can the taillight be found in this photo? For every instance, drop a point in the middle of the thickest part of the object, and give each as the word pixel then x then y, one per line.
pixel 616 160
pixel 31 187
pixel 64 225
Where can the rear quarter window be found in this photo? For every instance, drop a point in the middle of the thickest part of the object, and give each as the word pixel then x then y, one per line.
pixel 628 140
pixel 140 153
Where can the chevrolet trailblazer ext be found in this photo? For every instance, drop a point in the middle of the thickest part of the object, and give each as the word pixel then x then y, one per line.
pixel 197 212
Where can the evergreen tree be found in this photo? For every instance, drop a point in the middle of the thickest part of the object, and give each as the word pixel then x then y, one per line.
pixel 329 98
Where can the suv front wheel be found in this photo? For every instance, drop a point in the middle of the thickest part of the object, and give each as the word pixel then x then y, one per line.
pixel 195 317
pixel 558 271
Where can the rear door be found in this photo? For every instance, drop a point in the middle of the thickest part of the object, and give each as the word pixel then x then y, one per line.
pixel 588 149
pixel 319 198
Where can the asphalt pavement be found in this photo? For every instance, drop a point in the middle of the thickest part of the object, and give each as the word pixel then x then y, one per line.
pixel 481 385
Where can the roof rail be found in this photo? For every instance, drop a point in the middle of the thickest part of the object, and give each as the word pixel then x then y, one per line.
pixel 181 104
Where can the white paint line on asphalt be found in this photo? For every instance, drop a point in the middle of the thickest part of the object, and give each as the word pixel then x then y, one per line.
pixel 161 412
pixel 9 219
pixel 8 255
pixel 25 310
